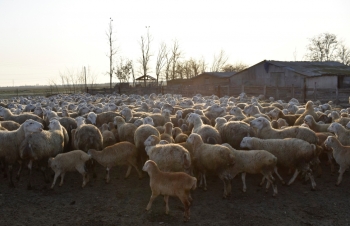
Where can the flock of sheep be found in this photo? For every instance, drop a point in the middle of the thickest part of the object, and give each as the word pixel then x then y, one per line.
pixel 177 140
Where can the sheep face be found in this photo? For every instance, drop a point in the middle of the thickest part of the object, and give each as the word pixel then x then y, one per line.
pixel 151 140
pixel 192 118
pixel 220 120
pixel 55 125
pixel 126 112
pixel 178 114
pixel 149 164
pixel 308 120
pixel 148 120
pixel 274 113
pixel 4 111
pixel 259 123
pixel 38 111
pixel 80 120
pixel 334 127
pixel 193 138
pixel 32 126
pixel 246 143
pixel 92 117
pixel 138 122
pixel 118 120
pixel 329 141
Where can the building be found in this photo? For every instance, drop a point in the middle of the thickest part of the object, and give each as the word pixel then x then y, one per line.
pixel 212 78
pixel 294 73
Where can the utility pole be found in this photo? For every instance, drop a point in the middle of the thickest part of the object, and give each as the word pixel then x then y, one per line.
pixel 85 78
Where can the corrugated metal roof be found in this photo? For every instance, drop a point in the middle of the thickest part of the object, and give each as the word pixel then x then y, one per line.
pixel 217 74
pixel 313 68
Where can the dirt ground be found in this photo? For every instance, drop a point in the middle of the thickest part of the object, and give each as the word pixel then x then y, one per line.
pixel 123 202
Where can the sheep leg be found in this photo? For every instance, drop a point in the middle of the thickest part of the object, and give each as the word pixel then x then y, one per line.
pixel 262 181
pixel 329 155
pixel 340 177
pixel 296 173
pixel 62 178
pixel 57 173
pixel 10 169
pixel 243 180
pixel 186 204
pixel 166 200
pixel 81 170
pixel 205 182
pixel 279 176
pixel 134 164
pixel 107 175
pixel 128 171
pixel 30 166
pixel 4 168
pixel 149 205
pixel 19 170
pixel 309 173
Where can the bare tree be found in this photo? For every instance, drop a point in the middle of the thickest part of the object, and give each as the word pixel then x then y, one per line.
pixel 343 54
pixel 161 59
pixel 146 55
pixel 176 54
pixel 112 51
pixel 237 67
pixel 219 61
pixel 322 47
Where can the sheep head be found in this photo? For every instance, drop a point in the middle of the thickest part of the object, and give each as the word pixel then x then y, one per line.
pixel 192 118
pixel 194 138
pixel 4 111
pixel 31 126
pixel 92 117
pixel 118 120
pixel 330 141
pixel 80 121
pixel 246 142
pixel 260 123
pixel 148 120
pixel 55 125
pixel 178 114
pixel 334 127
pixel 309 120
pixel 219 121
pixel 149 165
pixel 151 140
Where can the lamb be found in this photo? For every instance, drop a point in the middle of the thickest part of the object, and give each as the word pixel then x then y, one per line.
pixel 170 184
pixel 123 153
pixel 70 161
pixel 7 115
pixel 126 130
pixel 107 136
pixel 310 121
pixel 178 135
pixel 341 133
pixel 209 158
pixel 290 152
pixel 233 132
pixel 253 162
pixel 237 114
pixel 141 134
pixel 341 155
pixel 309 110
pixel 207 132
pixel 11 140
pixel 41 146
pixel 167 135
pixel 169 157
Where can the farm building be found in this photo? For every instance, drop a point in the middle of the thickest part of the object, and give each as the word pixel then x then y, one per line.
pixel 212 78
pixel 294 73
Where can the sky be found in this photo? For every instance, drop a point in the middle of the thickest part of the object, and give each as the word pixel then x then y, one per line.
pixel 39 39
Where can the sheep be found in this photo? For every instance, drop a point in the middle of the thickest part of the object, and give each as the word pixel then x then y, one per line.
pixel 277 113
pixel 107 136
pixel 87 137
pixel 99 119
pixel 141 134
pixel 253 161
pixel 341 154
pixel 290 152
pixel 310 121
pixel 123 153
pixel 11 140
pixel 341 133
pixel 252 110
pixel 112 128
pixel 205 131
pixel 233 132
pixel 41 146
pixel 208 157
pixel 170 184
pixel 309 110
pixel 126 130
pixel 7 115
pixel 237 114
pixel 169 157
pixel 282 123
pixel 167 135
pixel 70 161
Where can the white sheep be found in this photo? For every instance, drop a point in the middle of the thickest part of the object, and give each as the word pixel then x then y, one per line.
pixel 341 155
pixel 253 162
pixel 341 133
pixel 208 133
pixel 170 184
pixel 209 158
pixel 290 152
pixel 70 161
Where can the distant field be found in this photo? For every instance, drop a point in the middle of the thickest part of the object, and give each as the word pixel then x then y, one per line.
pixel 9 92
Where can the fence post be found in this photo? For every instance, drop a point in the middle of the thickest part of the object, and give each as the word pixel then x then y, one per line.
pixel 242 89
pixel 277 93
pixel 264 91
pixel 336 95
pixel 315 96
